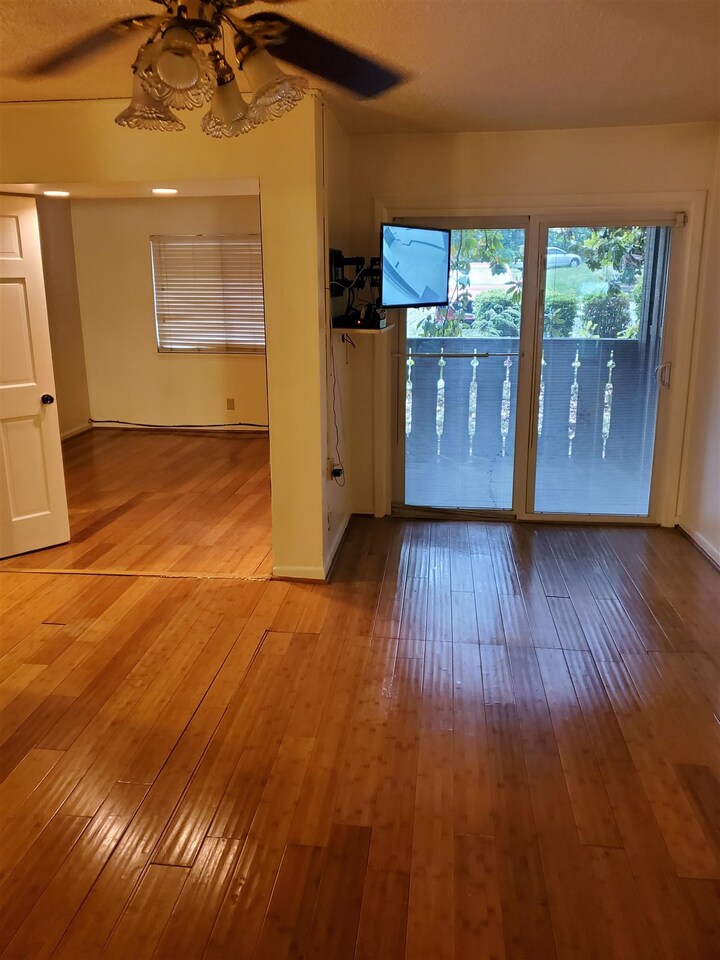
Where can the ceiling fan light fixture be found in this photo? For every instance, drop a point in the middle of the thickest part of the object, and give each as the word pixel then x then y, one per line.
pixel 274 91
pixel 178 67
pixel 146 113
pixel 229 113
pixel 175 71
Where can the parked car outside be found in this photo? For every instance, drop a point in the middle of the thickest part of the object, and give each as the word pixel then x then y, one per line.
pixel 561 258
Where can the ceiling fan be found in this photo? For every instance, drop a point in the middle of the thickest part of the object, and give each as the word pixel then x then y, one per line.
pixel 182 65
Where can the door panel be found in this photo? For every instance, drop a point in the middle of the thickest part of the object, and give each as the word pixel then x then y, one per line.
pixel 33 506
pixel 598 397
pixel 460 378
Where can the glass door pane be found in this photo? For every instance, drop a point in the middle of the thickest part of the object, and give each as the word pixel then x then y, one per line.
pixel 604 302
pixel 461 378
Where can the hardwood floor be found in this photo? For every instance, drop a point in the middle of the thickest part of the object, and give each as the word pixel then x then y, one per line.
pixel 164 502
pixel 478 741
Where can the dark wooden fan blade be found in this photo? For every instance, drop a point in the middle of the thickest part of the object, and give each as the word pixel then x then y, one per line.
pixel 86 46
pixel 303 48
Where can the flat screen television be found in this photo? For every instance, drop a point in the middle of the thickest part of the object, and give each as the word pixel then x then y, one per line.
pixel 415 266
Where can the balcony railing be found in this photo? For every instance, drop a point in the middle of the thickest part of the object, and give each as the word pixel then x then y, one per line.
pixel 595 430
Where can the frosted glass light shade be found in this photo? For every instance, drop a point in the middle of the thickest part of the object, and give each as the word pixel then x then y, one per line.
pixel 274 92
pixel 229 114
pixel 176 71
pixel 147 113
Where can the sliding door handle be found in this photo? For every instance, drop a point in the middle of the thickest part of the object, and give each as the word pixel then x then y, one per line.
pixel 663 374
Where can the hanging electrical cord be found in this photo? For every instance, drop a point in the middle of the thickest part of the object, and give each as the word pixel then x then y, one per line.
pixel 183 426
pixel 340 481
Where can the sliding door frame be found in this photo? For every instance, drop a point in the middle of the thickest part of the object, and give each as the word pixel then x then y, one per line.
pixel 685 211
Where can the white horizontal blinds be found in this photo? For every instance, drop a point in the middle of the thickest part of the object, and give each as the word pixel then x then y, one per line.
pixel 209 294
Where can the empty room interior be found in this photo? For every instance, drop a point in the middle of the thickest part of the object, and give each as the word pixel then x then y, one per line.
pixel 360 512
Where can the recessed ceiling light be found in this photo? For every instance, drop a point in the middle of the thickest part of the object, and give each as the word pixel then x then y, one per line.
pixel 164 191
pixel 56 193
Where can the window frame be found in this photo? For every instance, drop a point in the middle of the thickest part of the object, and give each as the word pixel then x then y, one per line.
pixel 174 330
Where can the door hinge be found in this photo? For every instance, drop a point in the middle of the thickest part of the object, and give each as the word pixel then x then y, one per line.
pixel 681 218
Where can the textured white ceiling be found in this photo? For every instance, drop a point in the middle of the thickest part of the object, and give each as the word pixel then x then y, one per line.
pixel 472 65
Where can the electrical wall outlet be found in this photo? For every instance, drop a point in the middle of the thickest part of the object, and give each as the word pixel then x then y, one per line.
pixel 231 403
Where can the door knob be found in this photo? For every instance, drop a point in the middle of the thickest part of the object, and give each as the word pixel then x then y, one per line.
pixel 46 398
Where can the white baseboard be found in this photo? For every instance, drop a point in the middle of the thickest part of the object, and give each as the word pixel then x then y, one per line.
pixel 75 431
pixel 299 573
pixel 702 542
pixel 315 573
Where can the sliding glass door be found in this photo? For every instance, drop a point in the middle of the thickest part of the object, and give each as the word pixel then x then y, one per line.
pixel 535 393
pixel 603 293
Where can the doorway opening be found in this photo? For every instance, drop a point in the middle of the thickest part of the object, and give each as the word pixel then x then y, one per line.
pixel 145 494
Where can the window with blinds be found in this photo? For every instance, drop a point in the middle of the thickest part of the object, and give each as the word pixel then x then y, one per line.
pixel 208 294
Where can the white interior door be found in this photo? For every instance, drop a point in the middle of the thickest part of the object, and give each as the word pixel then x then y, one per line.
pixel 33 504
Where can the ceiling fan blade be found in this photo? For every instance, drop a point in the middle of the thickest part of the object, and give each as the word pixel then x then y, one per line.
pixel 320 55
pixel 86 46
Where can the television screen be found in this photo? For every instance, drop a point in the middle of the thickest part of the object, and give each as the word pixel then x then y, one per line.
pixel 415 266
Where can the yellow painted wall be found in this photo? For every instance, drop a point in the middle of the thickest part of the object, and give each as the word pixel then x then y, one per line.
pixel 128 379
pixel 448 172
pixel 699 508
pixel 77 142
pixel 336 179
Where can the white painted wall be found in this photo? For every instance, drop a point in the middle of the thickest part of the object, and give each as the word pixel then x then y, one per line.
pixel 56 239
pixel 442 174
pixel 71 142
pixel 699 508
pixel 128 379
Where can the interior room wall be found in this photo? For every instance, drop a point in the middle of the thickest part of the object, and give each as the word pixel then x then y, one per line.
pixel 66 338
pixel 71 142
pixel 128 379
pixel 699 508
pixel 338 493
pixel 488 172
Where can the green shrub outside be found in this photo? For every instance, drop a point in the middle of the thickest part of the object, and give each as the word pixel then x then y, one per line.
pixel 607 315
pixel 637 294
pixel 561 310
pixel 496 315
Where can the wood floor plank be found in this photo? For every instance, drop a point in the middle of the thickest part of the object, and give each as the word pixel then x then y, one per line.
pixel 472 792
pixel 430 898
pixel 527 924
pixel 27 882
pixel 524 768
pixel 676 817
pixel 591 807
pixel 191 921
pixel 393 810
pixel 242 777
pixel 148 910
pixel 340 893
pixel 381 929
pixel 478 924
pixel 45 925
pixel 240 919
pixel 286 929
pixel 317 802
